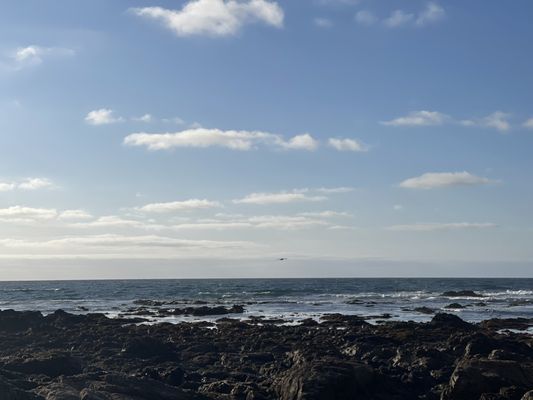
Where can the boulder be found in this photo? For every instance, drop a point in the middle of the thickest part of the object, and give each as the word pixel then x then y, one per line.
pixel 474 376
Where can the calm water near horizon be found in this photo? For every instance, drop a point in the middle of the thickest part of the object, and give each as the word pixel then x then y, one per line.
pixel 292 299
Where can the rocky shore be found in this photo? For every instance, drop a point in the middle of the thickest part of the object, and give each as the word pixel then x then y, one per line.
pixel 63 356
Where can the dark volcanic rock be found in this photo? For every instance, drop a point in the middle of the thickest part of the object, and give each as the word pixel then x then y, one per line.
pixel 508 323
pixel 204 311
pixel 454 306
pixel 325 378
pixel 474 377
pixel 53 365
pixel 90 357
pixel 424 310
pixel 450 321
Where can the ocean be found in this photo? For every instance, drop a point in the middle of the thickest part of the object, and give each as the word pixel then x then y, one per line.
pixel 290 299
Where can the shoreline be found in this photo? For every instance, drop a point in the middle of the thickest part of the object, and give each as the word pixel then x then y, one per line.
pixel 65 356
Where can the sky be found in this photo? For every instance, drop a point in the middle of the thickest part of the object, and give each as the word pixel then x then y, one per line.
pixel 210 138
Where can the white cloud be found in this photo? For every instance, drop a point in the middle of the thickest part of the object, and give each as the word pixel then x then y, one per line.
pixel 27 184
pixel 432 13
pixel 217 226
pixel 419 118
pixel 528 124
pixel 341 189
pixel 215 17
pixel 428 227
pixel 326 214
pixel 497 120
pixel 398 18
pixel 144 118
pixel 341 228
pixel 69 215
pixel 123 241
pixel 102 116
pixel 230 139
pixel 346 145
pixel 174 120
pixel 285 222
pixel 7 186
pixel 277 198
pixel 278 222
pixel 300 142
pixel 432 180
pixel 323 22
pixel 365 17
pixel 28 56
pixel 397 207
pixel 192 204
pixel 35 183
pixel 113 221
pixel 21 213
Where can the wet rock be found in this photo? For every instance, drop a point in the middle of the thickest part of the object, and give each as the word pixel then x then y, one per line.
pixel 323 379
pixel 450 321
pixel 507 323
pixel 340 319
pixel 91 357
pixel 204 311
pixel 148 347
pixel 456 306
pixel 424 310
pixel 12 321
pixel 9 391
pixel 473 377
pixel 52 365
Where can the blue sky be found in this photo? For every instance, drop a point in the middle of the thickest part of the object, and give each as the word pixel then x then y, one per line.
pixel 211 137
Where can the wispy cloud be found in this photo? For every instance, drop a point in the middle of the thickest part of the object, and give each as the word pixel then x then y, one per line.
pixel 33 55
pixel 27 214
pixel 365 17
pixel 327 214
pixel 186 205
pixel 347 145
pixel 214 18
pixel 398 18
pixel 528 124
pixel 433 180
pixel 277 198
pixel 74 215
pixel 35 183
pixel 144 118
pixel 331 190
pixel 419 118
pixel 323 22
pixel 431 14
pixel 230 139
pixel 428 227
pixel 498 120
pixel 27 184
pixel 112 246
pixel 7 186
pixel 102 116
